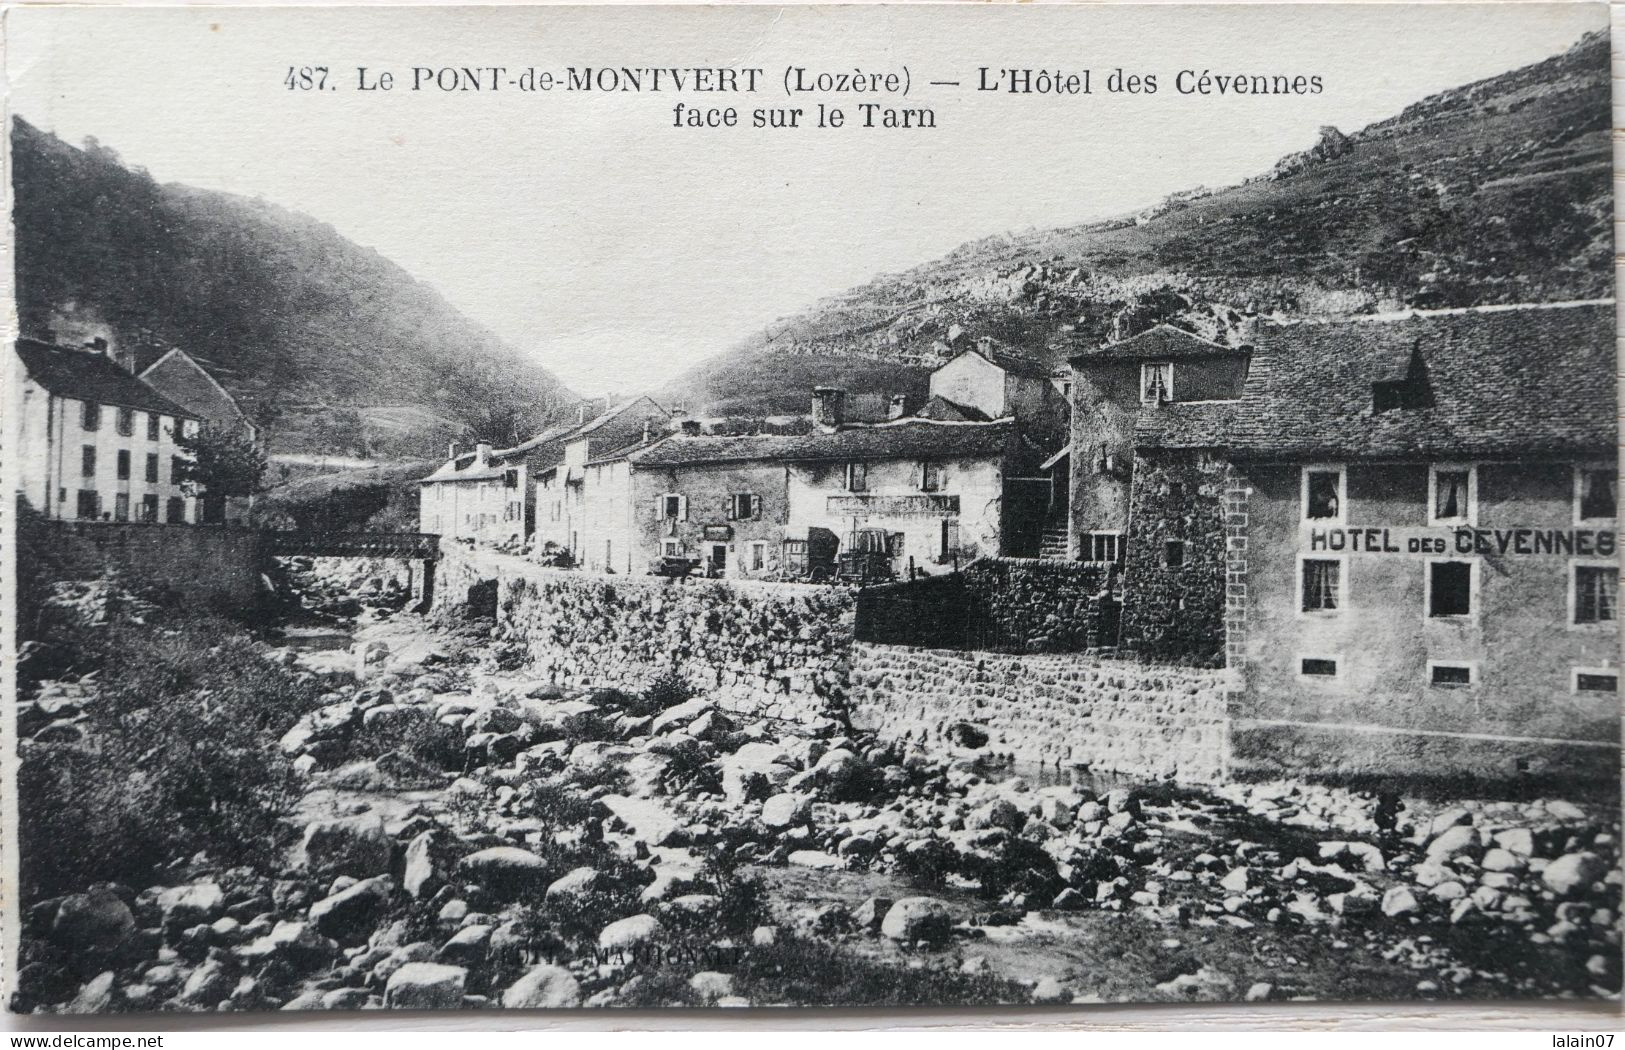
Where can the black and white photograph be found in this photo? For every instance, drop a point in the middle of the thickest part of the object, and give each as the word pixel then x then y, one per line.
pixel 676 508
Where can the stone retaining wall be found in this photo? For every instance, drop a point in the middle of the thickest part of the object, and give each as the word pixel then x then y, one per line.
pixel 1051 709
pixel 212 565
pixel 772 649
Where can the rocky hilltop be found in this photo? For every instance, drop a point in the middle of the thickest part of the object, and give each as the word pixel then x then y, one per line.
pixel 1493 192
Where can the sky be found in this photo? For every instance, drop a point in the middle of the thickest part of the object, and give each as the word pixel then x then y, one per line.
pixel 618 250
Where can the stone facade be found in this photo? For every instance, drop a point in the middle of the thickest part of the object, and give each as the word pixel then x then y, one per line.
pixel 1047 606
pixel 1174 579
pixel 730 516
pixel 1055 710
pixel 767 649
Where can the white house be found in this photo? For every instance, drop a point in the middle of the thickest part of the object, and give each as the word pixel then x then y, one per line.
pixel 95 442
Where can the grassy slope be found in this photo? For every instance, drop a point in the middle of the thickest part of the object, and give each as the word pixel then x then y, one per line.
pixel 328 344
pixel 1492 192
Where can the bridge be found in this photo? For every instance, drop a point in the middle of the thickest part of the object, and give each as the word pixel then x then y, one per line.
pixel 412 546
pixel 416 546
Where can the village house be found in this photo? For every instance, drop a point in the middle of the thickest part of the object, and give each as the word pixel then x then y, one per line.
pixel 1163 372
pixel 96 442
pixel 717 502
pixel 1379 535
pixel 583 496
pixel 185 380
pixel 498 497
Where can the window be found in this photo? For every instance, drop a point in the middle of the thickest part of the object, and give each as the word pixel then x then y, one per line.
pixel 1596 680
pixel 1173 553
pixel 758 556
pixel 1317 667
pixel 1449 675
pixel 1157 382
pixel 91 416
pixel 89 505
pixel 950 539
pixel 1450 588
pixel 1596 494
pixel 125 422
pixel 857 477
pixel 152 467
pixel 743 506
pixel 121 507
pixel 1322 585
pixel 124 464
pixel 175 510
pixel 1595 594
pixel 510 479
pixel 673 507
pixel 175 472
pixel 1323 494
pixel 1101 546
pixel 671 548
pixel 87 461
pixel 1452 495
pixel 930 476
pixel 153 423
pixel 149 507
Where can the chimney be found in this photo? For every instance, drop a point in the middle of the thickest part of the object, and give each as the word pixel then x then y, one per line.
pixel 452 450
pixel 648 430
pixel 482 452
pixel 896 407
pixel 581 414
pixel 691 427
pixel 828 406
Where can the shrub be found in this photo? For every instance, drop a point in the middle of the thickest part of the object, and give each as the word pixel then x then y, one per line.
pixel 181 755
pixel 667 690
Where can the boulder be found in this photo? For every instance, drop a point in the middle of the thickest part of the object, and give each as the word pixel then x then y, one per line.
pixel 349 915
pixel 1455 841
pixel 422 874
pixel 996 814
pixel 426 986
pixel 711 985
pixel 628 933
pixel 356 846
pixel 917 919
pixel 577 883
pixel 209 983
pixel 296 943
pixel 1398 901
pixel 871 913
pixel 786 809
pixel 812 858
pixel 468 946
pixel 190 905
pixel 496 720
pixel 505 870
pixel 96 997
pixel 93 923
pixel 546 987
pixel 1573 873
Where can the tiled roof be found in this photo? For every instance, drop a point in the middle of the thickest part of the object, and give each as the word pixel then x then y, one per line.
pixel 1164 342
pixel 1186 424
pixel 1493 381
pixel 88 376
pixel 903 439
pixel 1014 363
pixel 940 407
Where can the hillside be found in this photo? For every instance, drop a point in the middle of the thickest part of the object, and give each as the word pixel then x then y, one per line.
pixel 1498 191
pixel 329 346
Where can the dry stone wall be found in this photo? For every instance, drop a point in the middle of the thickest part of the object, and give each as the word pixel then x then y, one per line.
pixel 767 649
pixel 1052 709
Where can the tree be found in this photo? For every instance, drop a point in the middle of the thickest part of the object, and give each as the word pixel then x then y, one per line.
pixel 219 463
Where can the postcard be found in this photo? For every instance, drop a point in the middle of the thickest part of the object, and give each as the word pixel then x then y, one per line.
pixel 549 508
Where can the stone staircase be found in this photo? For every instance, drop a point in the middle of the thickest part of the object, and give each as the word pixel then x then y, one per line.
pixel 1052 546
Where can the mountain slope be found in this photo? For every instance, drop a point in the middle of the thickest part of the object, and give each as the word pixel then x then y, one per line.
pixel 327 343
pixel 1497 191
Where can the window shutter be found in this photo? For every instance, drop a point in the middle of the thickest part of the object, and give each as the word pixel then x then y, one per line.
pixel 682 507
pixel 756 508
pixel 917 476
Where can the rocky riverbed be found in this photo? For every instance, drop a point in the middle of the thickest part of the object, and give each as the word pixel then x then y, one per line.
pixel 474 837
